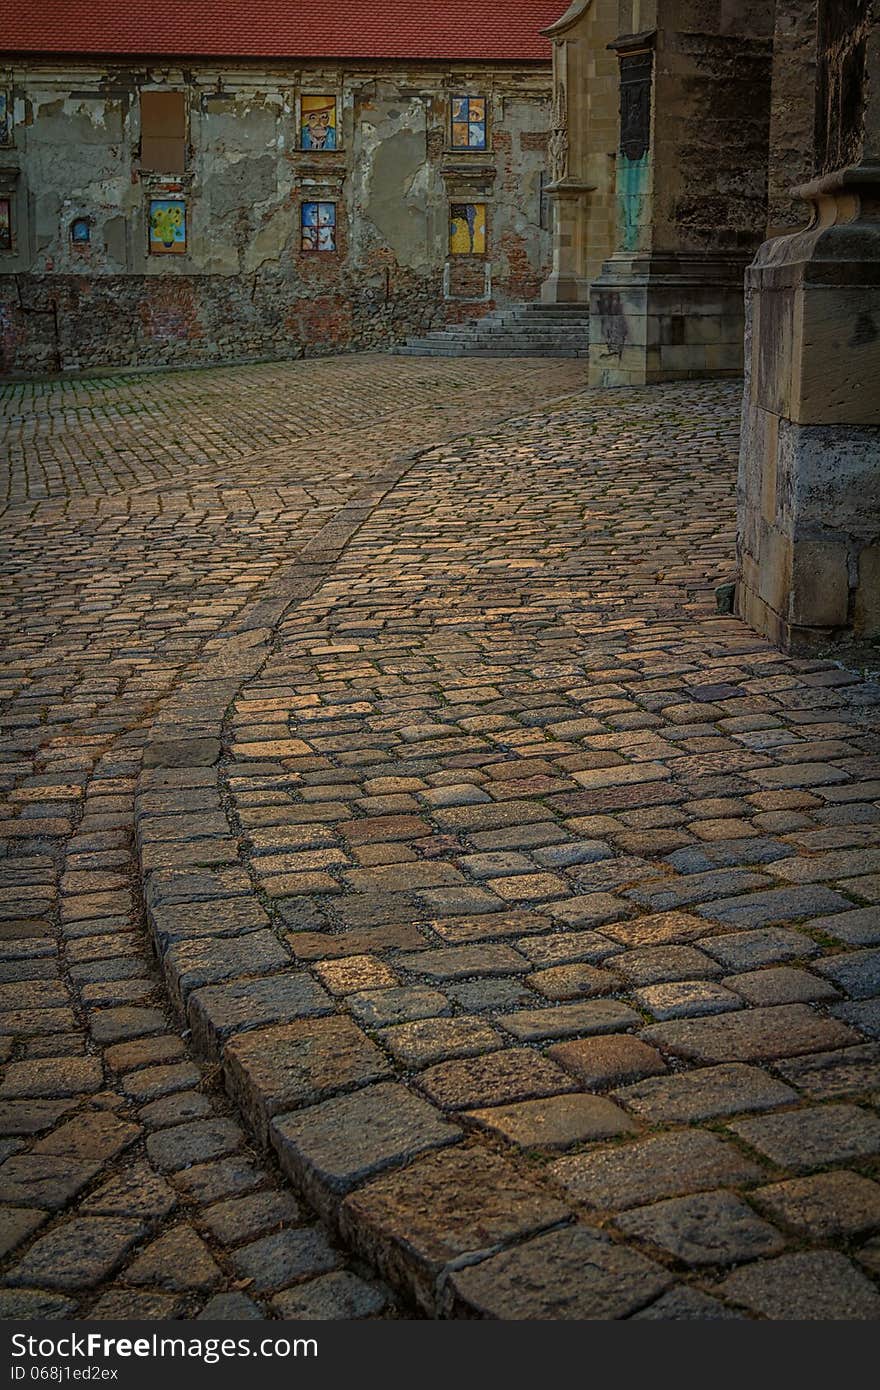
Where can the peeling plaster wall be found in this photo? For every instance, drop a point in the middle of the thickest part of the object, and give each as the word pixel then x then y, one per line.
pixel 244 289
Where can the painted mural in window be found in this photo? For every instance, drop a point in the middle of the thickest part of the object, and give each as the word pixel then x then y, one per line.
pixel 318 122
pixel 467 229
pixel 5 118
pixel 80 231
pixel 318 226
pixel 5 225
pixel 469 123
pixel 167 227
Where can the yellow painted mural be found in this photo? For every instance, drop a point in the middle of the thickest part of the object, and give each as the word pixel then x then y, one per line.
pixel 467 229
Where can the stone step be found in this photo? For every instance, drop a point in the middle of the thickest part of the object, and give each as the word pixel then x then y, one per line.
pixel 528 311
pixel 514 326
pixel 500 340
pixel 511 329
pixel 528 322
pixel 520 330
pixel 440 350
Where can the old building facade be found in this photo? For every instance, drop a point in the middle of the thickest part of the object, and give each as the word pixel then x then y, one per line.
pixel 701 174
pixel 165 196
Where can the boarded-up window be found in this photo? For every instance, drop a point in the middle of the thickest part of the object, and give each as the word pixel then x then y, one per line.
pixel 163 132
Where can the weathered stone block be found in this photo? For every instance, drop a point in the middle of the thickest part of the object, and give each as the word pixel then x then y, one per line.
pixel 851 1071
pixel 825 1206
pixel 710 1228
pixel 190 964
pixel 867 600
pixel 219 1010
pixel 330 1148
pixel 47 1181
pixel 612 1060
pixel 782 1030
pixel 555 1122
pixel 278 1259
pixel 593 1016
pixel 452 1203
pixel 819 580
pixel 77 1254
pixel 805 1139
pixel 704 1094
pixel 498 1078
pixel 340 1295
pixel 272 1069
pixel 424 1041
pixel 821 1285
pixel 574 1273
pixel 663 1165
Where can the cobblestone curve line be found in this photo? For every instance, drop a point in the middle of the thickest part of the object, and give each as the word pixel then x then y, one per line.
pixel 128 1180
pixel 175 1207
pixel 149 1169
pixel 98 439
pixel 537 938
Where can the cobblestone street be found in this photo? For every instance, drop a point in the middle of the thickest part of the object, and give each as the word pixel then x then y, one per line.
pixel 418 900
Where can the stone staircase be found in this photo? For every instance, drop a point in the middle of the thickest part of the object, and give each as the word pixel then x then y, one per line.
pixel 525 330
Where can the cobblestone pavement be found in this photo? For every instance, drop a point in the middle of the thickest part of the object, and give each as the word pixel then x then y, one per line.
pixel 527 908
pixel 149 516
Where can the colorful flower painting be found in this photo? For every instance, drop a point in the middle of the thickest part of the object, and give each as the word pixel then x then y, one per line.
pixel 319 226
pixel 318 117
pixel 469 123
pixel 467 229
pixel 167 227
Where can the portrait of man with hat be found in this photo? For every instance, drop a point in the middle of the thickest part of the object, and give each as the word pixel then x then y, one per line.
pixel 318 123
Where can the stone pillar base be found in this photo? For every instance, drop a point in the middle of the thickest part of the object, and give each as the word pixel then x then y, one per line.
pixel 567 282
pixel 565 289
pixel 666 318
pixel 809 478
pixel 809 562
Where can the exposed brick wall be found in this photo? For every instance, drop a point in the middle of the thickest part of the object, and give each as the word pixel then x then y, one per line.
pixel 130 320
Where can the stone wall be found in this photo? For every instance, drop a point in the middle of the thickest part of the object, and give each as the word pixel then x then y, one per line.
pixel 793 113
pixel 242 286
pixel 695 79
pixel 842 90
pixel 712 118
pixel 809 480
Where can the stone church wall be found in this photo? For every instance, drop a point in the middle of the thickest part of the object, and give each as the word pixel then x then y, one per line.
pixel 809 479
pixel 85 282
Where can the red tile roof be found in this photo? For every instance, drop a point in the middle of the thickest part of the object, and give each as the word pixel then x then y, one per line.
pixel 407 29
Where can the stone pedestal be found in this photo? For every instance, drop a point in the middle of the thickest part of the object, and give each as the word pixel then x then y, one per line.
pixel 567 283
pixel 809 481
pixel 666 318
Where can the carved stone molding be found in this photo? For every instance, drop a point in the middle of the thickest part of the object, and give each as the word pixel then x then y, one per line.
pixel 636 55
pixel 558 146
